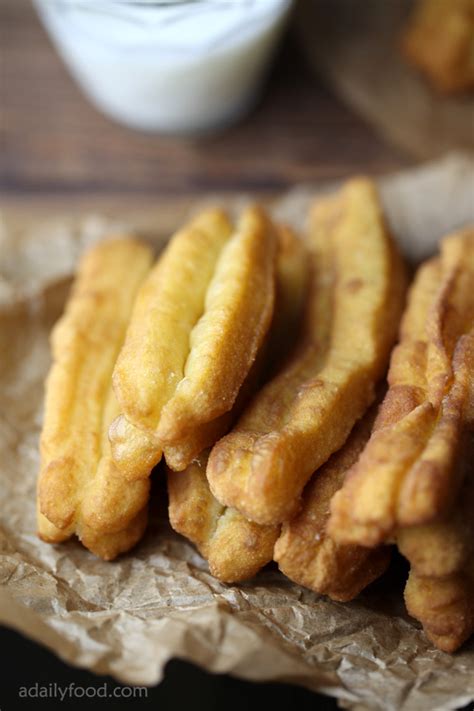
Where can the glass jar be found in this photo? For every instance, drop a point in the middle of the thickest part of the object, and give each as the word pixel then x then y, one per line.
pixel 182 66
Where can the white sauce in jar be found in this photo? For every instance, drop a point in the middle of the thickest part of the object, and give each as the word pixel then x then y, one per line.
pixel 179 66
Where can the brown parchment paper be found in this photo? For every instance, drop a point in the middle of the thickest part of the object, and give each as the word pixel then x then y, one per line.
pixel 355 46
pixel 128 617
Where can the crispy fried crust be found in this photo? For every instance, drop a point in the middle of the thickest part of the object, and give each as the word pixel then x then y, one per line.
pixel 406 475
pixel 439 41
pixel 169 304
pixel 80 490
pixel 291 281
pixel 234 547
pixel 305 413
pixel 304 551
pixel 440 587
pixel 134 451
pixel 444 547
pixel 444 606
pixel 180 456
pixel 225 341
pixel 221 320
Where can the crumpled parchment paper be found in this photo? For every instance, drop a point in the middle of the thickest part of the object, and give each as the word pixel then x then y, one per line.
pixel 128 617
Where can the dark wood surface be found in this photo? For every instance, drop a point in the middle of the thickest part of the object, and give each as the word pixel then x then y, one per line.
pixel 54 141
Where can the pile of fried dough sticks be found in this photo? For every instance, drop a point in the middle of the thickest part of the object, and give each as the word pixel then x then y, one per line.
pixel 252 362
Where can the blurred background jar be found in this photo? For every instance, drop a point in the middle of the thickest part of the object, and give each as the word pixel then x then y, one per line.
pixel 181 66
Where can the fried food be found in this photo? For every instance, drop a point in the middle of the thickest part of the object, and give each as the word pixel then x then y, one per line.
pixel 439 41
pixel 443 547
pixel 134 451
pixel 80 491
pixel 304 551
pixel 440 587
pixel 292 277
pixel 169 304
pixel 139 451
pixel 224 343
pixel 199 322
pixel 444 606
pixel 406 474
pixel 307 411
pixel 234 547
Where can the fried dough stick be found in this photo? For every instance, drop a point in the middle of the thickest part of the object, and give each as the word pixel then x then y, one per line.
pixel 406 475
pixel 440 587
pixel 79 489
pixel 304 551
pixel 200 339
pixel 234 547
pixel 136 452
pixel 444 606
pixel 439 41
pixel 291 283
pixel 307 411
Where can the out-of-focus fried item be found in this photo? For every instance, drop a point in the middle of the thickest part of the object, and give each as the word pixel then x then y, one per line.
pixel 440 587
pixel 80 490
pixel 292 277
pixel 199 322
pixel 444 606
pixel 406 474
pixel 307 411
pixel 305 552
pixel 234 547
pixel 442 548
pixel 439 41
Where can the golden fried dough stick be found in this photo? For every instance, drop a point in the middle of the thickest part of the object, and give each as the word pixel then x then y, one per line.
pixel 169 304
pixel 406 475
pixel 234 547
pixel 306 412
pixel 182 333
pixel 439 41
pixel 105 545
pixel 444 606
pixel 307 555
pixel 157 343
pixel 225 323
pixel 291 280
pixel 440 587
pixel 443 548
pixel 79 489
pixel 136 451
pixel 225 341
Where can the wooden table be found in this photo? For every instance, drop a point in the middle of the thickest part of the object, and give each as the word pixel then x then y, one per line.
pixel 54 142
